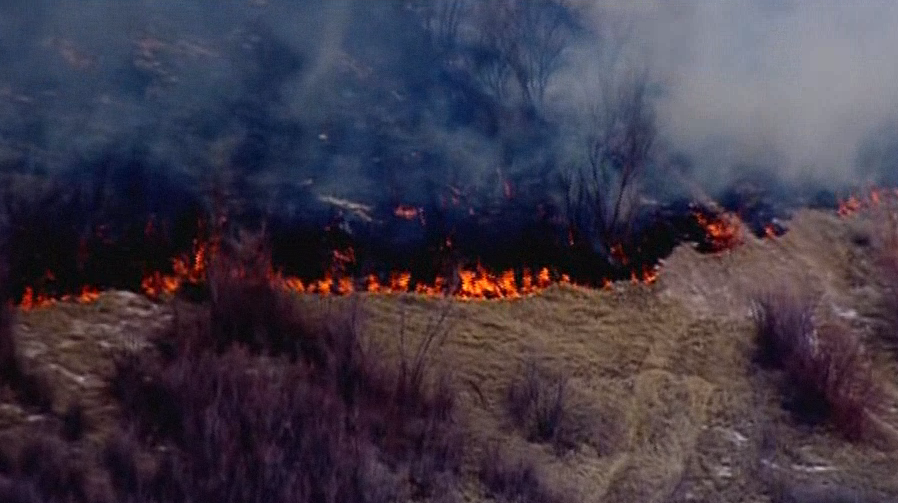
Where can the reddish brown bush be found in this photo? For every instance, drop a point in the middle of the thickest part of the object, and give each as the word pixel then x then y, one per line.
pixel 829 372
pixel 326 423
pixel 885 238
pixel 784 322
pixel 538 404
pixel 849 385
pixel 74 423
pixel 512 478
pixel 31 389
pixel 44 471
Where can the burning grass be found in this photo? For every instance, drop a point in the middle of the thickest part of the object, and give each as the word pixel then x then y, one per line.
pixel 723 230
pixel 830 374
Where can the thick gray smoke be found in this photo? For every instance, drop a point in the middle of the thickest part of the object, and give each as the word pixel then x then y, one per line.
pixel 360 99
pixel 792 85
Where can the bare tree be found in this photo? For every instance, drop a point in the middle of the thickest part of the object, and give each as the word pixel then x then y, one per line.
pixel 442 20
pixel 545 29
pixel 602 191
pixel 522 41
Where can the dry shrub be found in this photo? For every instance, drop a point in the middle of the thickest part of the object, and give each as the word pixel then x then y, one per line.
pixel 884 230
pixel 784 323
pixel 74 423
pixel 119 458
pixel 44 471
pixel 246 307
pixel 31 389
pixel 263 403
pixel 849 384
pixel 538 404
pixel 512 478
pixel 830 374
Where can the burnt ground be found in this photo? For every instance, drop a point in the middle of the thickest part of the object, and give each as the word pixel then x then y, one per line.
pixel 667 401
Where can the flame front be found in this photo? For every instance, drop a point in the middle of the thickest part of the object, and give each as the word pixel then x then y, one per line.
pixel 470 284
pixel 466 283
pixel 32 300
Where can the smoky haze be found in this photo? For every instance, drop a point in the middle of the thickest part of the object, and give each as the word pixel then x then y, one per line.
pixel 794 85
pixel 575 134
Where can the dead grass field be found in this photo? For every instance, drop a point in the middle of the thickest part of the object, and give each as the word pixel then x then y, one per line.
pixel 663 395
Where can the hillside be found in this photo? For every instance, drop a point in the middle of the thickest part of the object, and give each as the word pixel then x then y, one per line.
pixel 665 401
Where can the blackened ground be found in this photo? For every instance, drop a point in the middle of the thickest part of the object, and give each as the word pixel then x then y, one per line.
pixel 111 229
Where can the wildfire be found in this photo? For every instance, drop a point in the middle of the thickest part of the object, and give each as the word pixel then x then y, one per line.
pixel 31 300
pixel 875 197
pixel 724 231
pixel 465 283
pixel 468 284
pixel 648 276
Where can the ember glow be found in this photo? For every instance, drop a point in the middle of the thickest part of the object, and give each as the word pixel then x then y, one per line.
pixel 407 212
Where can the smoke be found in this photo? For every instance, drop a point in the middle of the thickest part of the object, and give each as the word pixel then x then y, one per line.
pixel 790 85
pixel 352 99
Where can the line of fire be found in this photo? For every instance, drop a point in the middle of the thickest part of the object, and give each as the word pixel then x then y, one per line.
pixel 448 248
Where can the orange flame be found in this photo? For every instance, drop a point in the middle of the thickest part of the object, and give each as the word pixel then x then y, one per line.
pixel 32 300
pixel 874 198
pixel 465 283
pixel 723 231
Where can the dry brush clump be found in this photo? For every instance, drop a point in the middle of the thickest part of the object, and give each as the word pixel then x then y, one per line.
pixel 257 401
pixel 28 387
pixel 830 374
pixel 44 470
pixel 538 403
pixel 514 478
pixel 249 398
pixel 885 238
